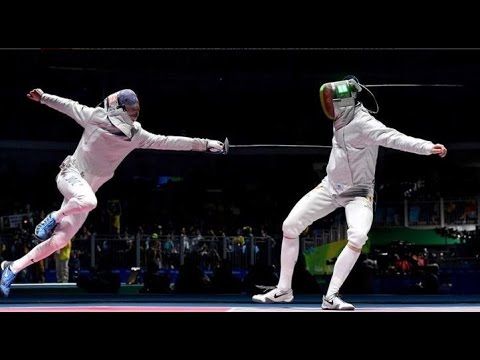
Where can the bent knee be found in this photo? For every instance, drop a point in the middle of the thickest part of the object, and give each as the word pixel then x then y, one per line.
pixel 88 202
pixel 59 242
pixel 292 229
pixel 357 239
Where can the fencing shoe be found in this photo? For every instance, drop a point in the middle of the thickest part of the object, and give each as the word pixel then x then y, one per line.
pixel 275 295
pixel 335 302
pixel 45 228
pixel 7 278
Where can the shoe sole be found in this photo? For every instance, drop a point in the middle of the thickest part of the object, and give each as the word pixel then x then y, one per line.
pixel 326 308
pixel 48 236
pixel 39 238
pixel 268 301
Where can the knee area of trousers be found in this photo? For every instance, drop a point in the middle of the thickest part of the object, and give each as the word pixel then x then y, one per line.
pixel 357 239
pixel 291 229
pixel 88 202
pixel 59 242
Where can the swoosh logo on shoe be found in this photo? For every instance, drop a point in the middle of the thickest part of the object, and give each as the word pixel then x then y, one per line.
pixel 277 295
pixel 329 301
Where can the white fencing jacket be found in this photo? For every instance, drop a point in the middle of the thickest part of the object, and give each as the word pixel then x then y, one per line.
pixel 356 138
pixel 103 145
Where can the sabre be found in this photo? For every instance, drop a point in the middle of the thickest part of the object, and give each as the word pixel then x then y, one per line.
pixel 413 85
pixel 345 93
pixel 291 149
pixel 228 146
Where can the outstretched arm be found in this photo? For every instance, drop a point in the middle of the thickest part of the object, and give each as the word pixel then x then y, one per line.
pixel 80 113
pixel 178 143
pixel 377 133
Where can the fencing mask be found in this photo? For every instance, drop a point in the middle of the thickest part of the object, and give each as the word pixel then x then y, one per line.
pixel 336 96
pixel 115 104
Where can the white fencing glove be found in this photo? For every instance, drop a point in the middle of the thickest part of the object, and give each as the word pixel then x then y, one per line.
pixel 215 146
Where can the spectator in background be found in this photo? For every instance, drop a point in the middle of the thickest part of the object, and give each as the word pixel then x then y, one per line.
pixel 62 257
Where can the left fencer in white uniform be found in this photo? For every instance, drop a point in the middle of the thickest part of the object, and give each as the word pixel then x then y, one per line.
pixel 111 132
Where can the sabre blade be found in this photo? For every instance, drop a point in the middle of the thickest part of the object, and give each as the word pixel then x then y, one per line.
pixel 413 85
pixel 228 146
pixel 282 146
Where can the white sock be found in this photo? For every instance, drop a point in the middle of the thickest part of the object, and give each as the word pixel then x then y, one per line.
pixel 288 258
pixel 344 264
pixel 39 252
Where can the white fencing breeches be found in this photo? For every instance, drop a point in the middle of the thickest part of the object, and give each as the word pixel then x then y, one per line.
pixel 78 189
pixel 317 204
pixel 321 201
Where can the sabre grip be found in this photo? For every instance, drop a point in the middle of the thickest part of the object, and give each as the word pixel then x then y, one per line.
pixel 215 147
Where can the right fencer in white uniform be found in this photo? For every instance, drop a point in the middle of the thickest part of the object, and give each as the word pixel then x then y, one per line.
pixel 349 183
pixel 111 132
